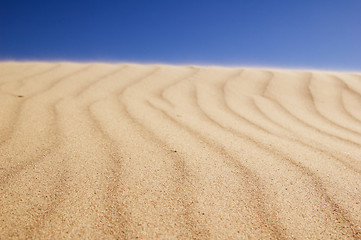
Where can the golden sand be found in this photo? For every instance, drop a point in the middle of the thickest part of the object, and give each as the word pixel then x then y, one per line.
pixel 126 151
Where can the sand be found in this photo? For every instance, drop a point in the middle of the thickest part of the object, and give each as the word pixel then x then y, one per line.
pixel 127 151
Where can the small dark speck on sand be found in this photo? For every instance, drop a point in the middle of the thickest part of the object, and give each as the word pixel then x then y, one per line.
pixel 20 96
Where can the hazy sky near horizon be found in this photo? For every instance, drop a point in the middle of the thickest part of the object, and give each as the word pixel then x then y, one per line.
pixel 323 34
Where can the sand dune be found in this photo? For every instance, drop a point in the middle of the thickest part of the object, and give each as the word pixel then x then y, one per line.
pixel 126 151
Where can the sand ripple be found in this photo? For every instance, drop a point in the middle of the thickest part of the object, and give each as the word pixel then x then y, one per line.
pixel 126 151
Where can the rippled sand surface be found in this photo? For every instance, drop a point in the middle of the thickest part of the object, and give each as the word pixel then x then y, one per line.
pixel 126 151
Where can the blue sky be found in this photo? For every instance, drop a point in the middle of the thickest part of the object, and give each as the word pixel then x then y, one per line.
pixel 321 34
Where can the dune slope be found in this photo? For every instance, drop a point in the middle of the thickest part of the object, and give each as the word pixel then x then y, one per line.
pixel 126 151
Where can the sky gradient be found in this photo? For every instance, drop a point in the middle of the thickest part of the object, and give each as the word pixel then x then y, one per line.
pixel 321 34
